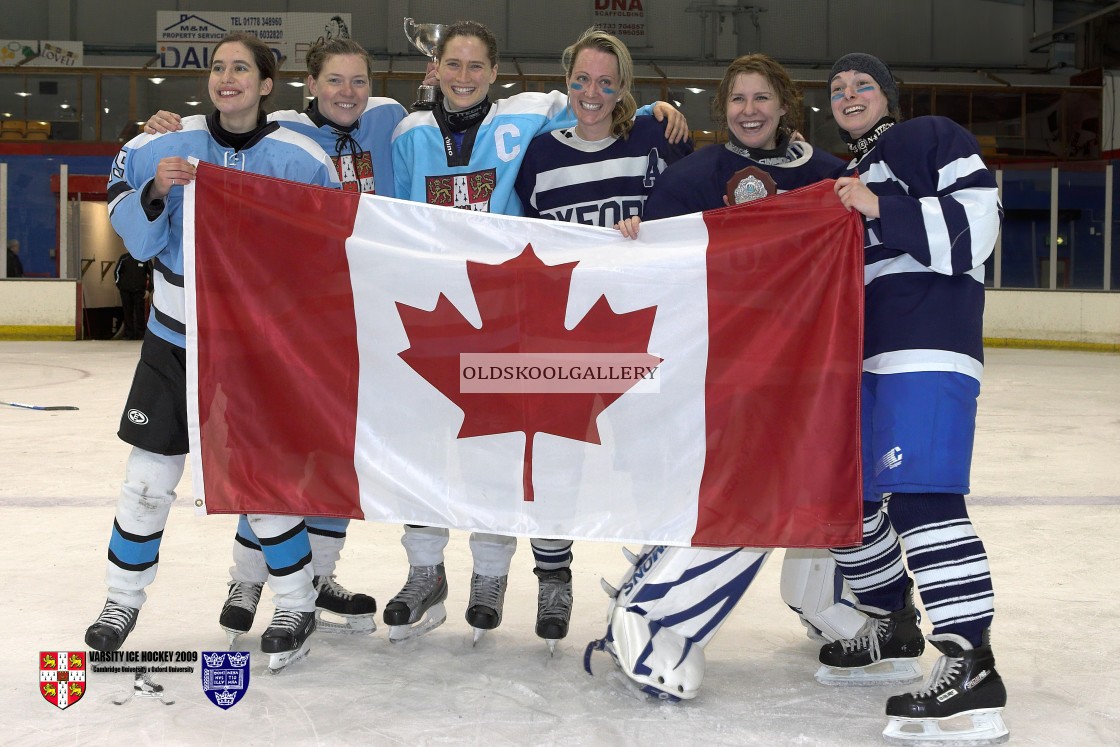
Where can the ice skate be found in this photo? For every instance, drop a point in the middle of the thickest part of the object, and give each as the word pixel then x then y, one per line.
pixel 484 611
pixel 144 687
pixel 960 703
pixel 240 609
pixel 418 607
pixel 554 605
pixel 885 651
pixel 111 627
pixel 287 637
pixel 339 610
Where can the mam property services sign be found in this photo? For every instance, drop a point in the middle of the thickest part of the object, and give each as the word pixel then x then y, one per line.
pixel 184 40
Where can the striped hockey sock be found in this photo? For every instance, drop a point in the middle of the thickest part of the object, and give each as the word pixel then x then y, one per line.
pixel 948 561
pixel 874 570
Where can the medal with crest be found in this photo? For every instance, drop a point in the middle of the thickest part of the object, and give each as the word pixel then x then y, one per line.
pixel 62 677
pixel 225 676
pixel 748 185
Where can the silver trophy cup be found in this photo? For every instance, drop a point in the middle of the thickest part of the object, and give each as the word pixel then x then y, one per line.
pixel 425 37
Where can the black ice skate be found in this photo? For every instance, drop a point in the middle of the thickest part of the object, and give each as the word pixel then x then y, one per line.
pixel 418 607
pixel 111 627
pixel 554 605
pixel 960 703
pixel 287 637
pixel 346 611
pixel 240 609
pixel 885 651
pixel 488 596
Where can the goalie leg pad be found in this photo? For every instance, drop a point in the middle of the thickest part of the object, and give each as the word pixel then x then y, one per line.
pixel 689 590
pixel 672 601
pixel 662 663
pixel 813 588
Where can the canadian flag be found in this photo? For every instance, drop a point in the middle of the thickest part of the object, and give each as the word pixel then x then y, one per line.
pixel 358 356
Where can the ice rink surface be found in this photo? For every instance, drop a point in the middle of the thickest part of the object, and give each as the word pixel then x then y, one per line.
pixel 1046 501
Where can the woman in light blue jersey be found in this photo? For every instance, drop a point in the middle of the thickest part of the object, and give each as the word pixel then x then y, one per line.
pixel 146 208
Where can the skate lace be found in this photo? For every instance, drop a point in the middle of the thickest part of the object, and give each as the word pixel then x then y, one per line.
pixel 944 672
pixel 554 598
pixel 286 620
pixel 326 583
pixel 116 616
pixel 868 640
pixel 420 580
pixel 487 591
pixel 245 595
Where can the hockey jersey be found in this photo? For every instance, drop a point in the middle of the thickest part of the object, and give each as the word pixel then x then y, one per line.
pixel 699 182
pixel 485 183
pixel 924 257
pixel 362 154
pixel 566 178
pixel 273 150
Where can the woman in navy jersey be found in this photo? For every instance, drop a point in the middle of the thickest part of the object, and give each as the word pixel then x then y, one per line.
pixel 932 215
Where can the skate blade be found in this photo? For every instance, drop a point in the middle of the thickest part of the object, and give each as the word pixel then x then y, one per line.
pixel 279 662
pixel 885 672
pixel 478 633
pixel 432 619
pixel 630 556
pixel 143 695
pixel 611 591
pixel 330 622
pixel 552 646
pixel 232 636
pixel 979 727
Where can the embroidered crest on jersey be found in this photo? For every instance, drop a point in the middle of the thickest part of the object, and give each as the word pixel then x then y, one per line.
pixel 355 171
pixel 468 191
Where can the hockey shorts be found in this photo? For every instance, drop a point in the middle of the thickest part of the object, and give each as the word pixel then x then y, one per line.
pixel 917 430
pixel 155 414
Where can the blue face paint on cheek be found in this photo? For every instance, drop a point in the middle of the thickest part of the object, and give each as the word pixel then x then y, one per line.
pixel 608 91
pixel 838 95
pixel 575 86
pixel 865 89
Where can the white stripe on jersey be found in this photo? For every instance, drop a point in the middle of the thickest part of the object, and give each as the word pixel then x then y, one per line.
pixel 910 361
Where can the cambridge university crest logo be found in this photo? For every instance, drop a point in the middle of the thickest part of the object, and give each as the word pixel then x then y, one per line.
pixel 62 677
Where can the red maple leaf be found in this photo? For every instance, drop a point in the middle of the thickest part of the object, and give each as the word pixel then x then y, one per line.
pixel 522 303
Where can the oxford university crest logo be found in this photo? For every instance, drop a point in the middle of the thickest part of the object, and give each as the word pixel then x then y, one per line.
pixel 62 677
pixel 225 677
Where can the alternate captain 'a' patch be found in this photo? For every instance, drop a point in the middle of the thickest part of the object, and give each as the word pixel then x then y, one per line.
pixel 468 191
pixel 62 677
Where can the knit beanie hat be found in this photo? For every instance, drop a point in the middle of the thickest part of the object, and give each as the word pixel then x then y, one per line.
pixel 873 66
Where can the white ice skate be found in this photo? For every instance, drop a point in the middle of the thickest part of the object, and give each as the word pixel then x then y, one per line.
pixel 418 608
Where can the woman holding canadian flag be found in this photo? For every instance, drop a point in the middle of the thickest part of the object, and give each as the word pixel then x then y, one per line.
pixel 466 153
pixel 932 215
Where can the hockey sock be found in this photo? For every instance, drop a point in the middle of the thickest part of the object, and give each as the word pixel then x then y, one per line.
pixel 248 560
pixel 327 537
pixel 874 570
pixel 948 560
pixel 552 554
pixel 142 509
pixel 287 551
